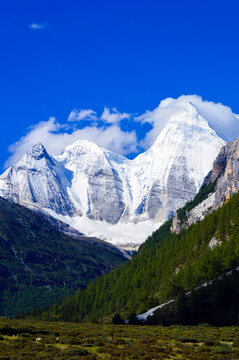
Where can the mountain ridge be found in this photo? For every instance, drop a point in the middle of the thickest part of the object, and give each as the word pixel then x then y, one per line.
pixel 104 194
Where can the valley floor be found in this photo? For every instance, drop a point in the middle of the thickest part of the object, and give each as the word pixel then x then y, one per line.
pixel 24 339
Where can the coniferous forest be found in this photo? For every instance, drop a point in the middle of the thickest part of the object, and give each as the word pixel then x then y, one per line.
pixel 39 265
pixel 167 266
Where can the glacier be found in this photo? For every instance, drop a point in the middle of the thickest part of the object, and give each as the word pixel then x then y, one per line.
pixel 104 194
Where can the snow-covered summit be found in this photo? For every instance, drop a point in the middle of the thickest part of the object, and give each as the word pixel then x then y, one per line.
pixel 96 187
pixel 107 195
pixel 38 180
pixel 38 151
pixel 173 169
pixel 85 147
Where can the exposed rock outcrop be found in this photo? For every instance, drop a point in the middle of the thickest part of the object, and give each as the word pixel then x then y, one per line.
pixel 225 173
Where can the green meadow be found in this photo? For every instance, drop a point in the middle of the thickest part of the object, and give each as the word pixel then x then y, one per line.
pixel 25 339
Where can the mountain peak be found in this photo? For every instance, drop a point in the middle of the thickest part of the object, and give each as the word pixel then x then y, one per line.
pixel 38 149
pixel 38 152
pixel 83 145
pixel 185 127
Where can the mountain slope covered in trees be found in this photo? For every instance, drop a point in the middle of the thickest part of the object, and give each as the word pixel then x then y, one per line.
pixel 40 265
pixel 167 264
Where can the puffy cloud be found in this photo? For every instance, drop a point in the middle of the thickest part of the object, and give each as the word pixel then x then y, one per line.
pixel 220 117
pixel 114 116
pixel 78 115
pixel 106 130
pixel 108 116
pixel 55 138
pixel 112 138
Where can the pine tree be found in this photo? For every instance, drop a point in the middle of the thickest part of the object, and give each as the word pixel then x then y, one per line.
pixel 117 320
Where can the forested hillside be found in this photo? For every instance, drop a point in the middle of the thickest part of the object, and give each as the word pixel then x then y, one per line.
pixel 166 265
pixel 40 265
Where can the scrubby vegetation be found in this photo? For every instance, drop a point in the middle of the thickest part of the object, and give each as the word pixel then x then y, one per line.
pixel 166 265
pixel 64 341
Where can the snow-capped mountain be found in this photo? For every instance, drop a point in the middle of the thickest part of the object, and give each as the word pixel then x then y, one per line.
pixel 38 179
pixel 173 169
pixel 96 188
pixel 107 195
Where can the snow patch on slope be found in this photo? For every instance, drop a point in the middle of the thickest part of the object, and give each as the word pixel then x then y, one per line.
pixel 124 235
pixel 144 316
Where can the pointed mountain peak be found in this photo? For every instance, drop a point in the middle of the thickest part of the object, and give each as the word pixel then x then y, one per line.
pixel 191 106
pixel 82 147
pixel 187 118
pixel 38 148
pixel 38 152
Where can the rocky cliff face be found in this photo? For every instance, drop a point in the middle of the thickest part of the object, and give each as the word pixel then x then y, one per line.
pixel 225 173
pixel 226 166
pixel 104 194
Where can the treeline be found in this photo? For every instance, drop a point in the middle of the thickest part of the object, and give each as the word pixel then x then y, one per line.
pixel 166 265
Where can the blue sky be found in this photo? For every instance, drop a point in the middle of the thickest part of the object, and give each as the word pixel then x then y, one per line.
pixel 57 56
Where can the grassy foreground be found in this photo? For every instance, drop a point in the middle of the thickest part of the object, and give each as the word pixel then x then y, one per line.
pixel 23 339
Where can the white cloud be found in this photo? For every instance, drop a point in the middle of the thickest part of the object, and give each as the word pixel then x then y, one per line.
pixel 114 116
pixel 39 26
pixel 55 137
pixel 220 117
pixel 112 138
pixel 78 115
pixel 108 116
pixel 51 134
